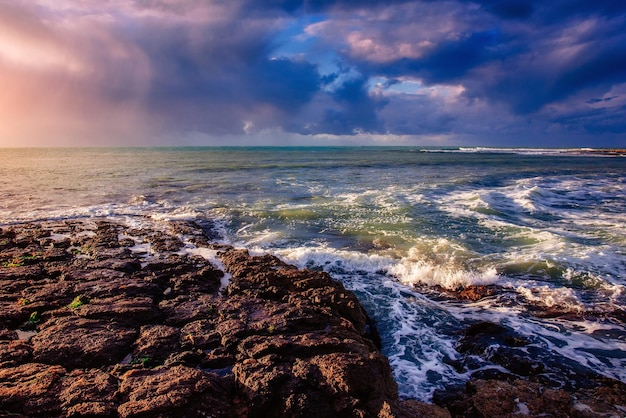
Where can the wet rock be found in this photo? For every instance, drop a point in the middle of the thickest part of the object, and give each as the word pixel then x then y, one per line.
pixel 117 284
pixel 338 384
pixel 494 398
pixel 15 271
pixel 8 335
pixel 200 334
pixel 477 292
pixel 125 265
pixel 299 343
pixel 161 242
pixel 204 280
pixel 480 336
pixel 499 345
pixel 14 353
pixel 178 391
pixel 100 276
pixel 129 311
pixel 412 408
pixel 106 235
pixel 266 277
pixel 81 343
pixel 31 389
pixel 89 393
pixel 185 309
pixel 12 313
pixel 47 295
pixel 156 343
pixel 161 269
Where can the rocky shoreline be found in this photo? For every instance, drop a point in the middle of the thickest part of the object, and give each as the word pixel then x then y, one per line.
pixel 101 319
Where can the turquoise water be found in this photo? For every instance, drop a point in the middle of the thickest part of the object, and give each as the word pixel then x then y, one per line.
pixel 391 223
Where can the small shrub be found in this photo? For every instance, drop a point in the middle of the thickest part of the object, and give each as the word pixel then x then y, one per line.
pixel 33 319
pixel 79 301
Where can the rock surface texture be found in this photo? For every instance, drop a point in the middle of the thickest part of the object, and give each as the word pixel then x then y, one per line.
pixel 98 319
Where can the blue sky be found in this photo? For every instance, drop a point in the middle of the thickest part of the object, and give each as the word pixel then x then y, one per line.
pixel 458 72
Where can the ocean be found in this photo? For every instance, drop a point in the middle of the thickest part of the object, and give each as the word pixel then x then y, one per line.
pixel 397 225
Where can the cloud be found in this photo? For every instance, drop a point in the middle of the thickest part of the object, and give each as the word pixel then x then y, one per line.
pixel 108 72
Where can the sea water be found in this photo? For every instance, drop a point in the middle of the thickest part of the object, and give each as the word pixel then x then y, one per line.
pixel 396 225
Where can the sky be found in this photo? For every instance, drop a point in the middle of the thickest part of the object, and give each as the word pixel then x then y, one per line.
pixel 548 73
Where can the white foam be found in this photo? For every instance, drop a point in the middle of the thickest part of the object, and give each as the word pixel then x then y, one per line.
pixel 419 272
pixel 442 262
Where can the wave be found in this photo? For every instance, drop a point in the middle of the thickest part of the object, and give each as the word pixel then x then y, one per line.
pixel 544 151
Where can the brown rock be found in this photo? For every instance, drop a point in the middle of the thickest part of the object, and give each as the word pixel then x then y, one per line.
pixel 81 343
pixel 185 309
pixel 31 389
pixel 130 311
pixel 178 391
pixel 161 242
pixel 90 393
pixel 156 343
pixel 199 334
pixel 14 353
pixel 414 409
pixel 477 292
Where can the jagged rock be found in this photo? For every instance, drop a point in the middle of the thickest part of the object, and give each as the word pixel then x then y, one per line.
pixel 204 280
pixel 277 341
pixel 91 393
pixel 31 389
pixel 129 311
pixel 477 292
pixel 14 353
pixel 494 398
pixel 81 343
pixel 199 334
pixel 178 391
pixel 185 309
pixel 156 343
pixel 413 409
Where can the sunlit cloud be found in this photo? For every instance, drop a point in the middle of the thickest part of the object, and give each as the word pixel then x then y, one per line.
pixel 158 71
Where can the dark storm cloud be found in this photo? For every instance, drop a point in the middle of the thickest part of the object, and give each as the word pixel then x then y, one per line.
pixel 526 56
pixel 353 110
pixel 337 67
pixel 449 62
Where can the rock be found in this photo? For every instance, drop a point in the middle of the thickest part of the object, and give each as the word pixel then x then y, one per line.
pixel 14 353
pixel 81 343
pixel 493 398
pixel 31 389
pixel 199 334
pixel 411 409
pixel 12 313
pixel 277 341
pixel 299 343
pixel 114 284
pixel 161 242
pixel 266 277
pixel 477 292
pixel 156 343
pixel 90 393
pixel 178 391
pixel 128 311
pixel 498 345
pixel 185 309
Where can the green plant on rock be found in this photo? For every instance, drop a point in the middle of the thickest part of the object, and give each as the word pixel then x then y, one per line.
pixel 20 260
pixel 79 301
pixel 144 361
pixel 25 301
pixel 271 329
pixel 33 318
